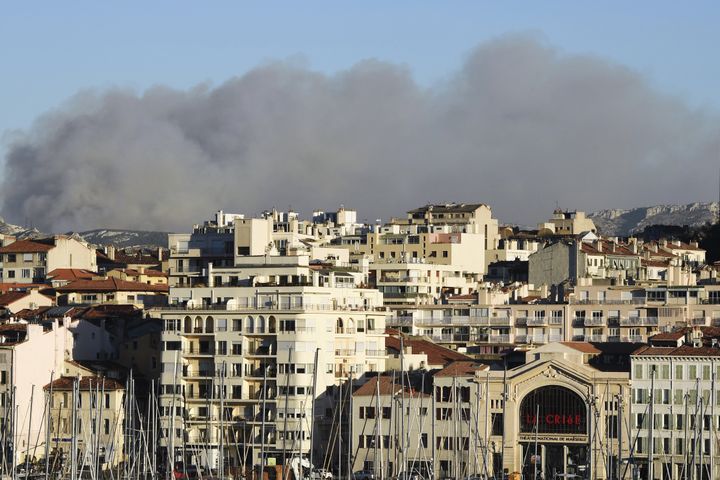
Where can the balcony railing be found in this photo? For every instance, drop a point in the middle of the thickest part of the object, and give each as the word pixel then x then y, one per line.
pixel 594 321
pixel 595 338
pixel 633 338
pixel 556 320
pixel 637 321
pixel 375 353
pixel 536 321
pixel 505 338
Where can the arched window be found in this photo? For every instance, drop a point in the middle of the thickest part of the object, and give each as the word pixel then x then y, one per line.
pixel 553 409
pixel 209 325
pixel 198 325
pixel 261 324
pixel 272 324
pixel 250 325
pixel 339 326
pixel 188 325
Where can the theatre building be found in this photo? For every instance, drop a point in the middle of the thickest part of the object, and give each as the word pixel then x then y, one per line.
pixel 562 410
pixel 561 415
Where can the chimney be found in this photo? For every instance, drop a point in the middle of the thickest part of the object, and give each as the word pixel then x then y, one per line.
pixel 160 254
pixel 110 251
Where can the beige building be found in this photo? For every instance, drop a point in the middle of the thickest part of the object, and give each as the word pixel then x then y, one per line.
pixel 29 261
pixel 565 222
pixel 112 290
pixel 95 405
pixel 15 301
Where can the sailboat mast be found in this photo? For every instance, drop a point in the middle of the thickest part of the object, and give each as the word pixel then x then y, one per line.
pixel 312 410
pixel 487 420
pixel 403 460
pixel 48 426
pixel 651 424
pixel 286 462
pixel 27 451
pixel 349 442
pixel 712 421
pixel 73 442
pixel 262 423
pixel 221 447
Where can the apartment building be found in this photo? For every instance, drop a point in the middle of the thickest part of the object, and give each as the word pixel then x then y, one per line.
pixel 29 261
pixel 676 403
pixel 244 345
pixel 592 313
pixel 112 290
pixel 89 409
pixel 29 355
pixel 419 283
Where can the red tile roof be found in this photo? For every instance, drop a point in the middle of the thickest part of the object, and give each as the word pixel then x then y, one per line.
pixel 27 246
pixel 370 388
pixel 607 249
pixel 681 351
pixel 12 297
pixel 583 347
pixel 110 284
pixel 71 274
pixel 437 355
pixel 86 383
pixel 461 369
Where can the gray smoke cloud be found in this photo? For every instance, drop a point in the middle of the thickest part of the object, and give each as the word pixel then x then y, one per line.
pixel 520 126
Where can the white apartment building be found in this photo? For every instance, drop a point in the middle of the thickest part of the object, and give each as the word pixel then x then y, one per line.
pixel 30 355
pixel 240 347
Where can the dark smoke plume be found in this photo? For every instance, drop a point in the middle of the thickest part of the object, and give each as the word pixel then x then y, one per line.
pixel 520 126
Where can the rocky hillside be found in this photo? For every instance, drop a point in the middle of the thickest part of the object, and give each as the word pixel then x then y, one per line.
pixel 125 238
pixel 99 237
pixel 627 222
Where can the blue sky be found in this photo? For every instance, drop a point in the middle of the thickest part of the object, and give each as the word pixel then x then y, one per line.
pixel 51 50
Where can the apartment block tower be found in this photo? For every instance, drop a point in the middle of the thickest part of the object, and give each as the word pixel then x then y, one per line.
pixel 256 345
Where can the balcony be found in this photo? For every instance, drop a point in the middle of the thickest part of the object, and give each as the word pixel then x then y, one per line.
pixel 501 321
pixel 633 338
pixel 521 338
pixel 375 353
pixel 638 321
pixel 521 320
pixel 595 338
pixel 701 321
pixel 194 351
pixel 344 352
pixel 555 338
pixel 536 321
pixel 556 320
pixel 202 373
pixel 594 321
pixel 538 339
pixel 503 338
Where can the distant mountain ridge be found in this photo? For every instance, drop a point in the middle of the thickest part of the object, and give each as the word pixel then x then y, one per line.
pixel 619 222
pixel 101 236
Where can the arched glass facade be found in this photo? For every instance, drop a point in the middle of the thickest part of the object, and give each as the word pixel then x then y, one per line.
pixel 561 411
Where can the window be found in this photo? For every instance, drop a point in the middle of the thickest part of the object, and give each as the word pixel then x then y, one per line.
pixel 26 273
pixel 11 258
pixel 221 325
pixel 11 273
